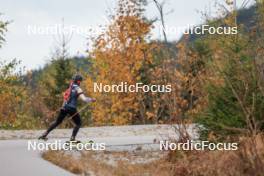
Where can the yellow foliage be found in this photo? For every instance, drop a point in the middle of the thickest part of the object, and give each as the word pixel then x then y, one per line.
pixel 118 57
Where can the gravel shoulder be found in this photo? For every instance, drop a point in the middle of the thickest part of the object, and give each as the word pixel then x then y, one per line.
pixel 106 131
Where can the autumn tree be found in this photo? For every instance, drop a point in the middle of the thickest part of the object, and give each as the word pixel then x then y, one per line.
pixel 120 55
pixel 13 93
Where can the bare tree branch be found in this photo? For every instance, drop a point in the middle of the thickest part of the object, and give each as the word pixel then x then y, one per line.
pixel 160 7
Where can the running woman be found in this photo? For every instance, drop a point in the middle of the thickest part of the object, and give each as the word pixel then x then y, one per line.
pixel 69 107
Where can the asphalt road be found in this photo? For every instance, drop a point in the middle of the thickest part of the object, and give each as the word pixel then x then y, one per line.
pixel 16 159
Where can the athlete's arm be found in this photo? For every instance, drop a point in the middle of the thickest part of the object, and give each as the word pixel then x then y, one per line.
pixel 83 97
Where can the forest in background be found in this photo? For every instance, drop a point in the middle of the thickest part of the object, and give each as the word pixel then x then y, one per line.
pixel 217 80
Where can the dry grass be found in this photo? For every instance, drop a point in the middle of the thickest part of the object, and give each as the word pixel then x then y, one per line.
pixel 64 160
pixel 247 161
pixel 109 163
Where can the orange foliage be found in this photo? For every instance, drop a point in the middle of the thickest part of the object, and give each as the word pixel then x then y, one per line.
pixel 119 55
